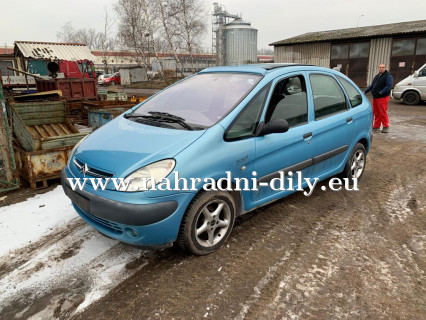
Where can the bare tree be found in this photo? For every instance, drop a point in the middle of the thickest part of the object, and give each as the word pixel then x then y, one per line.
pixel 265 51
pixel 138 29
pixel 102 41
pixel 168 12
pixel 149 26
pixel 105 41
pixel 191 21
pixel 87 36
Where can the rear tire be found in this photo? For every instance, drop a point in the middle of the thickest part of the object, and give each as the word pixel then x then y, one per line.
pixel 207 223
pixel 411 98
pixel 355 165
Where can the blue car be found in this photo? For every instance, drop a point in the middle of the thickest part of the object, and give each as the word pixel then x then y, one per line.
pixel 215 146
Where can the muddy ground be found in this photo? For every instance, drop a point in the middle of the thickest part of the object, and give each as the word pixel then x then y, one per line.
pixel 334 255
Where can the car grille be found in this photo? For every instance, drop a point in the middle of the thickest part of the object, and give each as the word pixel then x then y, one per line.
pixel 91 171
pixel 111 226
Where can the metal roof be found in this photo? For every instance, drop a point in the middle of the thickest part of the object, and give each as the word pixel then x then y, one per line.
pixel 392 29
pixel 53 50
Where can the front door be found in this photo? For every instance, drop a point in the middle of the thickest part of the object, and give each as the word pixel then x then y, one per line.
pixel 288 151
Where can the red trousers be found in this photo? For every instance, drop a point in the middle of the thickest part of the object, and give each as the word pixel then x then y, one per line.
pixel 380 111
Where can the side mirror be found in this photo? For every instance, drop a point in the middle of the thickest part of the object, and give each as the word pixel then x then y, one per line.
pixel 274 126
pixel 415 74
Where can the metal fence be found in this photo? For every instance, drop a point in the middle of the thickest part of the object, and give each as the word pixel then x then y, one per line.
pixel 8 178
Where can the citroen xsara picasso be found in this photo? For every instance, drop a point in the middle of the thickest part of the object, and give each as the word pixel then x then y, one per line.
pixel 257 122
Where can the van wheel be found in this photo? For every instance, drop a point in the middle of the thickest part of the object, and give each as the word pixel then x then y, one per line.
pixel 411 98
pixel 207 222
pixel 355 165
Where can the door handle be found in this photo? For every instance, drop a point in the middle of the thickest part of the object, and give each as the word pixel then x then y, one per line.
pixel 349 120
pixel 307 135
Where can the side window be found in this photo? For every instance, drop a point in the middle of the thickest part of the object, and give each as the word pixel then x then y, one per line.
pixel 353 94
pixel 289 102
pixel 328 96
pixel 422 73
pixel 246 123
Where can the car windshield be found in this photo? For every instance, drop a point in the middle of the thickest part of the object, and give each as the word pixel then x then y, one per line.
pixel 202 100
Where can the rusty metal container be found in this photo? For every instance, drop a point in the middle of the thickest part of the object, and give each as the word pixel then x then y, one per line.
pixel 98 117
pixel 72 88
pixel 37 167
pixel 101 112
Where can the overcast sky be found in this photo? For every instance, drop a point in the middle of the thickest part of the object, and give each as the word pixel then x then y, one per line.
pixel 275 19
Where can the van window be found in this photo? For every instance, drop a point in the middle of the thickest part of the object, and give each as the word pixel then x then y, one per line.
pixel 328 96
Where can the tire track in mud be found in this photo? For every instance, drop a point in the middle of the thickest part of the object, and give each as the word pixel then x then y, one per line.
pixel 259 241
pixel 390 271
pixel 300 257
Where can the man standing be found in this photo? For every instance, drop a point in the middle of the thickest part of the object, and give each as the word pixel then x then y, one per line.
pixel 380 89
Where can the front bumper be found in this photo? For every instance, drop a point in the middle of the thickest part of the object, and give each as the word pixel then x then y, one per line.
pixel 151 222
pixel 396 94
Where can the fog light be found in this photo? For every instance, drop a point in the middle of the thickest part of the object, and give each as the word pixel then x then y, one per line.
pixel 131 232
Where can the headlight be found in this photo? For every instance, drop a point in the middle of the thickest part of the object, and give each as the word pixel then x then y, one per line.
pixel 75 147
pixel 141 179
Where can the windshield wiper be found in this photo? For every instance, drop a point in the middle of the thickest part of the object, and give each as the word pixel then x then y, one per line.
pixel 161 117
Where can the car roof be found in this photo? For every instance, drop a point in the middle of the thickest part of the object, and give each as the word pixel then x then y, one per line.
pixel 263 68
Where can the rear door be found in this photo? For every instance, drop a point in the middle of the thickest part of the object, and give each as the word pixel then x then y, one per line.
pixel 333 127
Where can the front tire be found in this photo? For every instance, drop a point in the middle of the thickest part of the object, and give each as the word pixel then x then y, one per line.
pixel 207 222
pixel 355 165
pixel 411 98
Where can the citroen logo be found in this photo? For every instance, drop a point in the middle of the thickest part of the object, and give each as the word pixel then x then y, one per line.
pixel 84 169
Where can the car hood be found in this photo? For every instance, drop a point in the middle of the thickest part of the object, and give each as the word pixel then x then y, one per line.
pixel 405 81
pixel 123 146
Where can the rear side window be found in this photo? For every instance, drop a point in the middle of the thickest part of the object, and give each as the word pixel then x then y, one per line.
pixel 353 94
pixel 328 96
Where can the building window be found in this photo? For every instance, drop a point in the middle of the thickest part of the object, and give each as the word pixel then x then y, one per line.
pixel 403 47
pixel 339 51
pixel 359 50
pixel 421 47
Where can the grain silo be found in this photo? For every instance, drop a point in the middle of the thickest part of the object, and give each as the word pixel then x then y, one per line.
pixel 240 43
pixel 234 42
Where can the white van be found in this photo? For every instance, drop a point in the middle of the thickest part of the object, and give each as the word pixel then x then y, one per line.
pixel 412 89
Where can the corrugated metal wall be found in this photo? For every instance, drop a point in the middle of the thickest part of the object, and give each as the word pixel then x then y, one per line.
pixel 311 53
pixel 380 52
pixel 240 45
